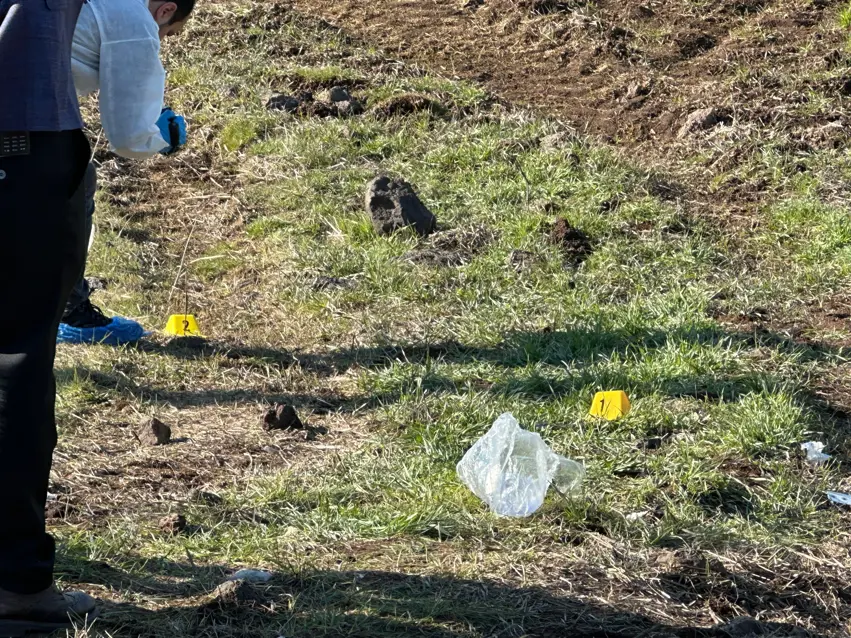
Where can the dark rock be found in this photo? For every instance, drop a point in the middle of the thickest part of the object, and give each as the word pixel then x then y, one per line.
pixel 339 94
pixel 282 417
pixel 154 432
pixel 173 524
pixel 393 205
pixel 285 103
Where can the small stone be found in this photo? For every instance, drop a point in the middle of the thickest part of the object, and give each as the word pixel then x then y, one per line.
pixel 339 94
pixel 154 432
pixel 286 103
pixel 173 524
pixel 393 205
pixel 282 417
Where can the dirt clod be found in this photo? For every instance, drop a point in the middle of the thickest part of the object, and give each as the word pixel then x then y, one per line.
pixel 348 108
pixel 59 510
pixel 573 242
pixel 282 417
pixel 405 104
pixel 339 94
pixel 703 120
pixel 522 260
pixel 393 205
pixel 173 524
pixel 154 433
pixel 236 592
pixel 286 103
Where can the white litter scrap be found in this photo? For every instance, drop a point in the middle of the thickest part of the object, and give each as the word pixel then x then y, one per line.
pixel 815 454
pixel 838 498
pixel 511 469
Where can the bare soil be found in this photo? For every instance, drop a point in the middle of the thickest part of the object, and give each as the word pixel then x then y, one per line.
pixel 633 71
pixel 629 69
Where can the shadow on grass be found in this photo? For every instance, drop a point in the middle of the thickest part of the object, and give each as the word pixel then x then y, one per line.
pixel 575 351
pixel 376 604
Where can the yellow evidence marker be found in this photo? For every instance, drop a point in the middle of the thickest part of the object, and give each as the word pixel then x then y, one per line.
pixel 610 405
pixel 182 326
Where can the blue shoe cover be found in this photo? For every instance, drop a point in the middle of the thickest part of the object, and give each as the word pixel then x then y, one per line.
pixel 118 332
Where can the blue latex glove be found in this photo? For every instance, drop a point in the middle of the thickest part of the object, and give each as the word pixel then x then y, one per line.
pixel 173 130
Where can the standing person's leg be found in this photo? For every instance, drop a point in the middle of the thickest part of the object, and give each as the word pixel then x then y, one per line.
pixel 82 321
pixel 42 249
pixel 81 291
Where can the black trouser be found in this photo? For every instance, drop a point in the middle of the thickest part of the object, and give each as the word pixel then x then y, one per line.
pixel 81 291
pixel 42 249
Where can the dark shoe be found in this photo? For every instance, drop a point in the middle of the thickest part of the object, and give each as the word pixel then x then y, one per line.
pixel 44 612
pixel 86 315
pixel 87 324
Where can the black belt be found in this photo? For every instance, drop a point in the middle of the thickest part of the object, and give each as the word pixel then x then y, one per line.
pixel 14 143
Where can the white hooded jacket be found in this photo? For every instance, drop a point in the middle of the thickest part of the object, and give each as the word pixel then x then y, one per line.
pixel 116 50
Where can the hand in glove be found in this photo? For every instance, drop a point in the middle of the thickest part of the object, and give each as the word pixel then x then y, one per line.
pixel 173 130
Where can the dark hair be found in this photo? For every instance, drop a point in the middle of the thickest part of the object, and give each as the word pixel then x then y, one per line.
pixel 184 9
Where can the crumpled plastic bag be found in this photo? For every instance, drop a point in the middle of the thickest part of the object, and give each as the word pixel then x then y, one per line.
pixel 511 469
pixel 815 453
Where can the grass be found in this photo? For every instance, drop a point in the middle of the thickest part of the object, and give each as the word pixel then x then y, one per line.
pixel 698 506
